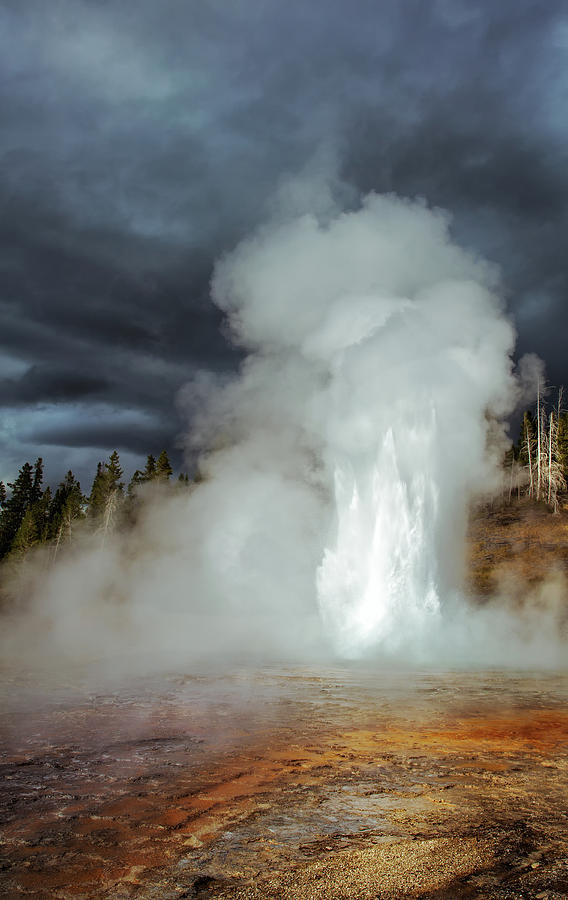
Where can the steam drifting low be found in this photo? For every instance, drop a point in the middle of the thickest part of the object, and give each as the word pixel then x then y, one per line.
pixel 338 466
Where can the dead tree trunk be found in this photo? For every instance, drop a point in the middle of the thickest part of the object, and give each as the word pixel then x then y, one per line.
pixel 538 444
pixel 550 430
pixel 529 454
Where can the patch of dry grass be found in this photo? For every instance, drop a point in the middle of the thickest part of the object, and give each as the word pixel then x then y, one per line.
pixel 523 540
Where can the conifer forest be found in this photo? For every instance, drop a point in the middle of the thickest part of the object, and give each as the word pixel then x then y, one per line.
pixel 33 513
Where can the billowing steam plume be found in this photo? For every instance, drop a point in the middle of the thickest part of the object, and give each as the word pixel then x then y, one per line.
pixel 379 348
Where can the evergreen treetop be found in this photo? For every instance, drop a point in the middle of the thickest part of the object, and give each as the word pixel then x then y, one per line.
pixel 23 514
pixel 97 497
pixel 36 490
pixel 164 470
pixel 27 534
pixel 114 473
pixel 14 508
pixel 107 486
pixel 150 470
pixel 137 479
pixel 66 506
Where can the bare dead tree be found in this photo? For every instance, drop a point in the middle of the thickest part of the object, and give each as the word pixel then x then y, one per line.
pixel 515 478
pixel 511 477
pixel 538 442
pixel 65 530
pixel 550 433
pixel 57 541
pixel 556 480
pixel 529 448
pixel 109 514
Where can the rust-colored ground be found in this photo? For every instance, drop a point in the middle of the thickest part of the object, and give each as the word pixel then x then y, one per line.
pixel 289 783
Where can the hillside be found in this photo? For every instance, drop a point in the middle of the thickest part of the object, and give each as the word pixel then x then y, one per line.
pixel 522 540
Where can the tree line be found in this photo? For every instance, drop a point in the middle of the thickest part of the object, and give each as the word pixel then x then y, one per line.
pixel 31 515
pixel 538 462
pixel 537 467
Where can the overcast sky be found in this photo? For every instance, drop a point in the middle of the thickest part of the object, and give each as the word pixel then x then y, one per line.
pixel 142 138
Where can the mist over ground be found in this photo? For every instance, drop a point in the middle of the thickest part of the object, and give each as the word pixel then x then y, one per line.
pixel 338 467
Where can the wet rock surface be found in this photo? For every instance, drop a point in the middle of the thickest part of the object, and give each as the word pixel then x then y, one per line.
pixel 287 783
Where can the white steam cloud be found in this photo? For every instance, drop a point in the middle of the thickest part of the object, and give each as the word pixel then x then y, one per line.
pixel 341 462
pixel 380 347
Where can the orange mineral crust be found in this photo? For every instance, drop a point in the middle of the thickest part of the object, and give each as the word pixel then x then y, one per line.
pixel 288 783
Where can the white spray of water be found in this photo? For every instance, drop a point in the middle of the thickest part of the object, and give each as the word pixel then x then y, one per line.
pixel 339 467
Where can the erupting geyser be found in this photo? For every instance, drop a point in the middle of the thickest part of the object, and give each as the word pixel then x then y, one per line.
pixel 380 580
pixel 379 349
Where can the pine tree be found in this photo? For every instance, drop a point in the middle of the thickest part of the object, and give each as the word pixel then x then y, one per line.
pixel 3 495
pixel 107 493
pixel 41 514
pixel 106 484
pixel 27 534
pixel 164 470
pixel 137 479
pixel 98 495
pixel 150 473
pixel 65 509
pixel 36 491
pixel 114 474
pixel 150 470
pixel 33 526
pixel 15 507
pixel 22 492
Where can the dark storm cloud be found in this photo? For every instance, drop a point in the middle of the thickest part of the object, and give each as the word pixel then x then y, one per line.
pixel 141 140
pixel 139 439
pixel 38 385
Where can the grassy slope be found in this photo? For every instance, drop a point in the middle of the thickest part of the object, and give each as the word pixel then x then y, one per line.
pixel 521 539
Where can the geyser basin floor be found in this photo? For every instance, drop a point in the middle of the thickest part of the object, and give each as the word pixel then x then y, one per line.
pixel 289 783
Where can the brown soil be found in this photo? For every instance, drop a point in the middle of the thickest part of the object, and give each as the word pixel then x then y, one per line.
pixel 289 784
